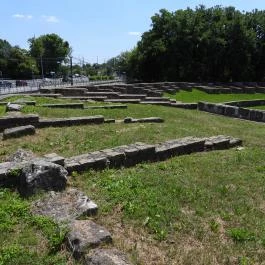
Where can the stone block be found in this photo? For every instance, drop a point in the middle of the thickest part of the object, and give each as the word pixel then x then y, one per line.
pixel 98 119
pixel 259 115
pixel 235 142
pixel 243 113
pixel 184 105
pixel 86 164
pixel 151 119
pixel 15 121
pixel 220 109
pixel 146 152
pixel 131 156
pixel 101 163
pixel 109 121
pixel 217 144
pixel 18 131
pixel 231 111
pixel 85 235
pixel 143 120
pixel 71 166
pixel 54 158
pixel 64 106
pixel 252 115
pixel 201 106
pixel 115 158
pixel 13 107
pixel 9 174
pixel 167 150
pixel 41 175
pixel 193 145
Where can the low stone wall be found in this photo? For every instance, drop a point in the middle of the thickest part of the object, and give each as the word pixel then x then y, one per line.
pixel 64 105
pixel 129 155
pixel 125 155
pixel 232 111
pixel 184 105
pixel 143 120
pixel 107 107
pixel 22 120
pixel 61 122
pixel 33 120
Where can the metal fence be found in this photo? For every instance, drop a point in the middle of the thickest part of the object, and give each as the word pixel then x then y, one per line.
pixel 33 86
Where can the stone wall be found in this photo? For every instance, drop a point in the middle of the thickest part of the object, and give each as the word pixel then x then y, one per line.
pixel 120 156
pixel 10 122
pixel 233 111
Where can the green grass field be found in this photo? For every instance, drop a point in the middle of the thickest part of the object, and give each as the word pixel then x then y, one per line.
pixel 204 208
pixel 197 95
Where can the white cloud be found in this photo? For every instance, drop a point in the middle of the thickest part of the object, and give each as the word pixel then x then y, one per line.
pixel 51 19
pixel 21 16
pixel 134 33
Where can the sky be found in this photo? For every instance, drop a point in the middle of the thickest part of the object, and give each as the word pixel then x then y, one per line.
pixel 97 30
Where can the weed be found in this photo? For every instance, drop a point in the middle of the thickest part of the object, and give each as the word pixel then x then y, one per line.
pixel 241 235
pixel 214 226
pixel 51 231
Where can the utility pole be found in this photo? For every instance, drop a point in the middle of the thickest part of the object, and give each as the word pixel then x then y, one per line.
pixel 41 63
pixel 71 70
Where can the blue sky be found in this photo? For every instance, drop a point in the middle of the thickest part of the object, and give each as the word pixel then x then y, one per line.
pixel 95 29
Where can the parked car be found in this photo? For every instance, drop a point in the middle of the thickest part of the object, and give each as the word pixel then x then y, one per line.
pixel 5 84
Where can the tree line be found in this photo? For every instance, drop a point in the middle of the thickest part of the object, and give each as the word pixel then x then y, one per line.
pixel 205 44
pixel 45 55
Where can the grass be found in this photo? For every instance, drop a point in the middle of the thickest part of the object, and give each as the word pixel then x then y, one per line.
pixel 28 239
pixel 258 107
pixel 204 208
pixel 197 95
pixel 210 210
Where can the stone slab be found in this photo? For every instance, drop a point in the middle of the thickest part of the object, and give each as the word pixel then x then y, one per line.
pixel 65 206
pixel 18 131
pixel 143 120
pixel 71 121
pixel 84 235
pixel 64 106
pixel 54 158
pixel 20 120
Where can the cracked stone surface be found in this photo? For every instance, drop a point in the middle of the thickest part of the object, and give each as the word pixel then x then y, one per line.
pixel 65 206
pixel 106 257
pixel 84 235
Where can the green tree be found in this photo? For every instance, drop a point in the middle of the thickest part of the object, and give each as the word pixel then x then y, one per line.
pixel 205 44
pixel 5 49
pixel 50 50
pixel 21 64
